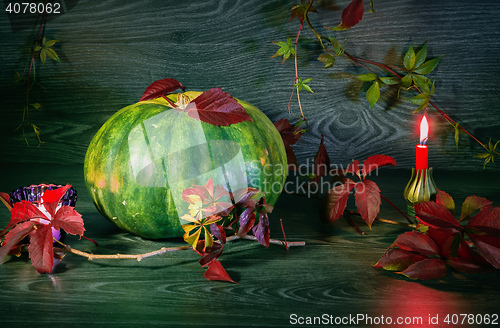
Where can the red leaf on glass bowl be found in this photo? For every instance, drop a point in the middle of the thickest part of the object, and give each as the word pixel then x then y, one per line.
pixel 160 88
pixel 218 108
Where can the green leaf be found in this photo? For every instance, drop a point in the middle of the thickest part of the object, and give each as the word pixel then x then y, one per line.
pixel 389 80
pixel 50 43
pixel 421 55
pixel 419 99
pixel 337 47
pixel 422 106
pixel 302 84
pixel 373 94
pixel 36 105
pixel 16 77
pixel 37 48
pixel 490 155
pixel 52 54
pixel 407 81
pixel 329 60
pixel 422 82
pixel 372 6
pixel 43 55
pixel 367 77
pixel 286 49
pixel 457 131
pixel 409 58
pixel 428 66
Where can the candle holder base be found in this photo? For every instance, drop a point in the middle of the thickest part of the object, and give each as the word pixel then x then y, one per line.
pixel 420 188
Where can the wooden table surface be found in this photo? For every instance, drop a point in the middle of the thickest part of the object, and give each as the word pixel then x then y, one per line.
pixel 331 276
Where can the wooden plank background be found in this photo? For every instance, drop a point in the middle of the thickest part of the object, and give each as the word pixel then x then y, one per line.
pixel 112 50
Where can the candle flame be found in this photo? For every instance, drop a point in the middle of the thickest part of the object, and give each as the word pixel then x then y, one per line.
pixel 424 130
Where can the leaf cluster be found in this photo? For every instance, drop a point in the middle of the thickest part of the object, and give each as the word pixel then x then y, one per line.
pixel 441 240
pixel 38 224
pixel 213 211
pixel 214 106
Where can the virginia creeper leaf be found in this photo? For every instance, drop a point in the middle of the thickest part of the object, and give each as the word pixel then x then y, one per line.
pixel 366 77
pixel 396 259
pixel 373 94
pixel 389 80
pixel 447 240
pixel 488 247
pixel 428 66
pixel 40 248
pixel 351 15
pixel 473 203
pixel 436 215
pixel 216 272
pixel 69 220
pixel 261 230
pixel 335 201
pixel 416 241
pixel 321 161
pixel 426 270
pixel 23 211
pixel 487 220
pixel 247 221
pixel 217 107
pixel 291 135
pixel 219 232
pixel 376 161
pixel 328 60
pixel 14 236
pixel 299 11
pixel 409 58
pixel 368 200
pixel 51 198
pixel 421 55
pixel 468 265
pixel 286 49
pixel 160 88
pixel 446 200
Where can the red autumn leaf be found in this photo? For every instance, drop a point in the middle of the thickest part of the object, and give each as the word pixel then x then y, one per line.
pixel 14 236
pixel 473 203
pixel 446 200
pixel 351 15
pixel 41 249
pixel 396 259
pixel 69 220
pixel 488 247
pixel 468 265
pixel 416 241
pixel 426 270
pixel 335 202
pixel 321 161
pixel 160 88
pixel 51 198
pixel 368 200
pixel 487 220
pixel 353 168
pixel 218 231
pixel 5 199
pixel 445 239
pixel 376 161
pixel 217 107
pixel 210 253
pixel 24 211
pixel 247 221
pixel 436 215
pixel 290 135
pixel 216 272
pixel 261 230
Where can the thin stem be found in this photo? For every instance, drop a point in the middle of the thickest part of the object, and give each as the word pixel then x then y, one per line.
pixel 401 212
pixel 348 218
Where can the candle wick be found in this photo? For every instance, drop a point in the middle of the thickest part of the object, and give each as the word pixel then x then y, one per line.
pixel 424 141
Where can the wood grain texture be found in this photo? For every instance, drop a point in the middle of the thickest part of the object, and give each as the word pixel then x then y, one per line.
pixel 112 50
pixel 331 275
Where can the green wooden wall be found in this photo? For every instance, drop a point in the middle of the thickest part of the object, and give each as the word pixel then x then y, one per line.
pixel 111 50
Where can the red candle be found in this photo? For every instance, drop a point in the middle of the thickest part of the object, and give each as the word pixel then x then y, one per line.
pixel 421 149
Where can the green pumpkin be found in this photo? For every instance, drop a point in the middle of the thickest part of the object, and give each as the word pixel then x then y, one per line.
pixel 145 155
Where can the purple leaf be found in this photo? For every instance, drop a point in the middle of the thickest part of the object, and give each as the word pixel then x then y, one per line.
pixel 160 88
